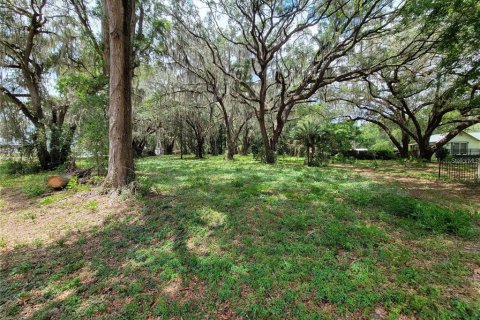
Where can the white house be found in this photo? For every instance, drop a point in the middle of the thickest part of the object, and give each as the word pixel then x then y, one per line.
pixel 465 143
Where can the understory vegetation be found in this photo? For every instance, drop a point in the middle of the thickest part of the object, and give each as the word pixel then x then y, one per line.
pixel 221 240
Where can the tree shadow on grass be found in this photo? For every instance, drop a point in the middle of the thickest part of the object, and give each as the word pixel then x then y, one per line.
pixel 217 242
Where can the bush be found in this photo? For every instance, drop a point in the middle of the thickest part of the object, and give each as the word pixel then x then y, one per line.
pixel 441 154
pixel 385 154
pixel 359 155
pixel 258 151
pixel 21 167
pixel 34 190
pixel 340 158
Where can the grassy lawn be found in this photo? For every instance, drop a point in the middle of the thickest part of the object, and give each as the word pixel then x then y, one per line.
pixel 211 239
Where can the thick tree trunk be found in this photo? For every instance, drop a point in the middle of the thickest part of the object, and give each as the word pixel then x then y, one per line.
pixel 40 141
pixel 169 146
pixel 425 154
pixel 120 160
pixel 60 146
pixel 230 152
pixel 138 146
pixel 199 149
pixel 403 152
pixel 424 150
pixel 404 147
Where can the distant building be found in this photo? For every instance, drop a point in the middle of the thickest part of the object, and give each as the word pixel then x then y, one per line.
pixel 8 147
pixel 465 143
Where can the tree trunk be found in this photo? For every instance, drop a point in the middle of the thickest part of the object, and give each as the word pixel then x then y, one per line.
pixel 404 147
pixel 312 155
pixel 230 145
pixel 169 146
pixel 425 154
pixel 230 152
pixel 228 127
pixel 40 141
pixel 200 142
pixel 120 160
pixel 424 150
pixel 245 142
pixel 138 146
pixel 269 150
pixel 105 41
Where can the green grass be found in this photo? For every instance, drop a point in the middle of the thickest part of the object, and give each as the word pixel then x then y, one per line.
pixel 244 239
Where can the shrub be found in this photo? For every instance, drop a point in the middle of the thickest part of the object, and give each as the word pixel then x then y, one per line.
pixel 441 154
pixel 21 167
pixel 359 154
pixel 35 190
pixel 72 183
pixel 385 154
pixel 381 154
pixel 341 158
pixel 258 151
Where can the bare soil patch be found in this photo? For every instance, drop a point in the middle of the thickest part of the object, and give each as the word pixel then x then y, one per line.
pixel 25 221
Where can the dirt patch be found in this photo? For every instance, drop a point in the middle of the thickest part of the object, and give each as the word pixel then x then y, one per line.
pixel 25 221
pixel 13 200
pixel 476 277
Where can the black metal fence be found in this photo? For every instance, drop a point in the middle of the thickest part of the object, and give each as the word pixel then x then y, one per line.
pixel 464 168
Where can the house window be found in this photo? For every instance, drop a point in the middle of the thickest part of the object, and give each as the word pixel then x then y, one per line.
pixel 459 148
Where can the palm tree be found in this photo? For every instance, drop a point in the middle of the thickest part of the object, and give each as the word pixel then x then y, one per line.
pixel 308 133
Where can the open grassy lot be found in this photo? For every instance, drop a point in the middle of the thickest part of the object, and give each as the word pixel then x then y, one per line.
pixel 211 239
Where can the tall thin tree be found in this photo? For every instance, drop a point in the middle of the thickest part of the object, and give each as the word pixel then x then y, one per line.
pixel 120 15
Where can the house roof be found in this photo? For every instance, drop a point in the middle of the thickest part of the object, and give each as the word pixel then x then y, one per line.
pixel 437 137
pixel 475 135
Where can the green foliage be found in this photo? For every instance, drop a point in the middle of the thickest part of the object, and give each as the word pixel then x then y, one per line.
pixel 261 241
pixel 258 150
pixel 35 189
pixel 425 215
pixel 386 154
pixel 340 158
pixel 21 167
pixel 91 205
pixel 308 132
pixel 442 154
pixel 47 200
pixel 91 104
pixel 337 137
pixel 73 183
pixel 373 138
pixel 457 22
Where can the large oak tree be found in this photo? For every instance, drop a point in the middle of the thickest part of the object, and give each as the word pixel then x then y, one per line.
pixel 291 49
pixel 34 50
